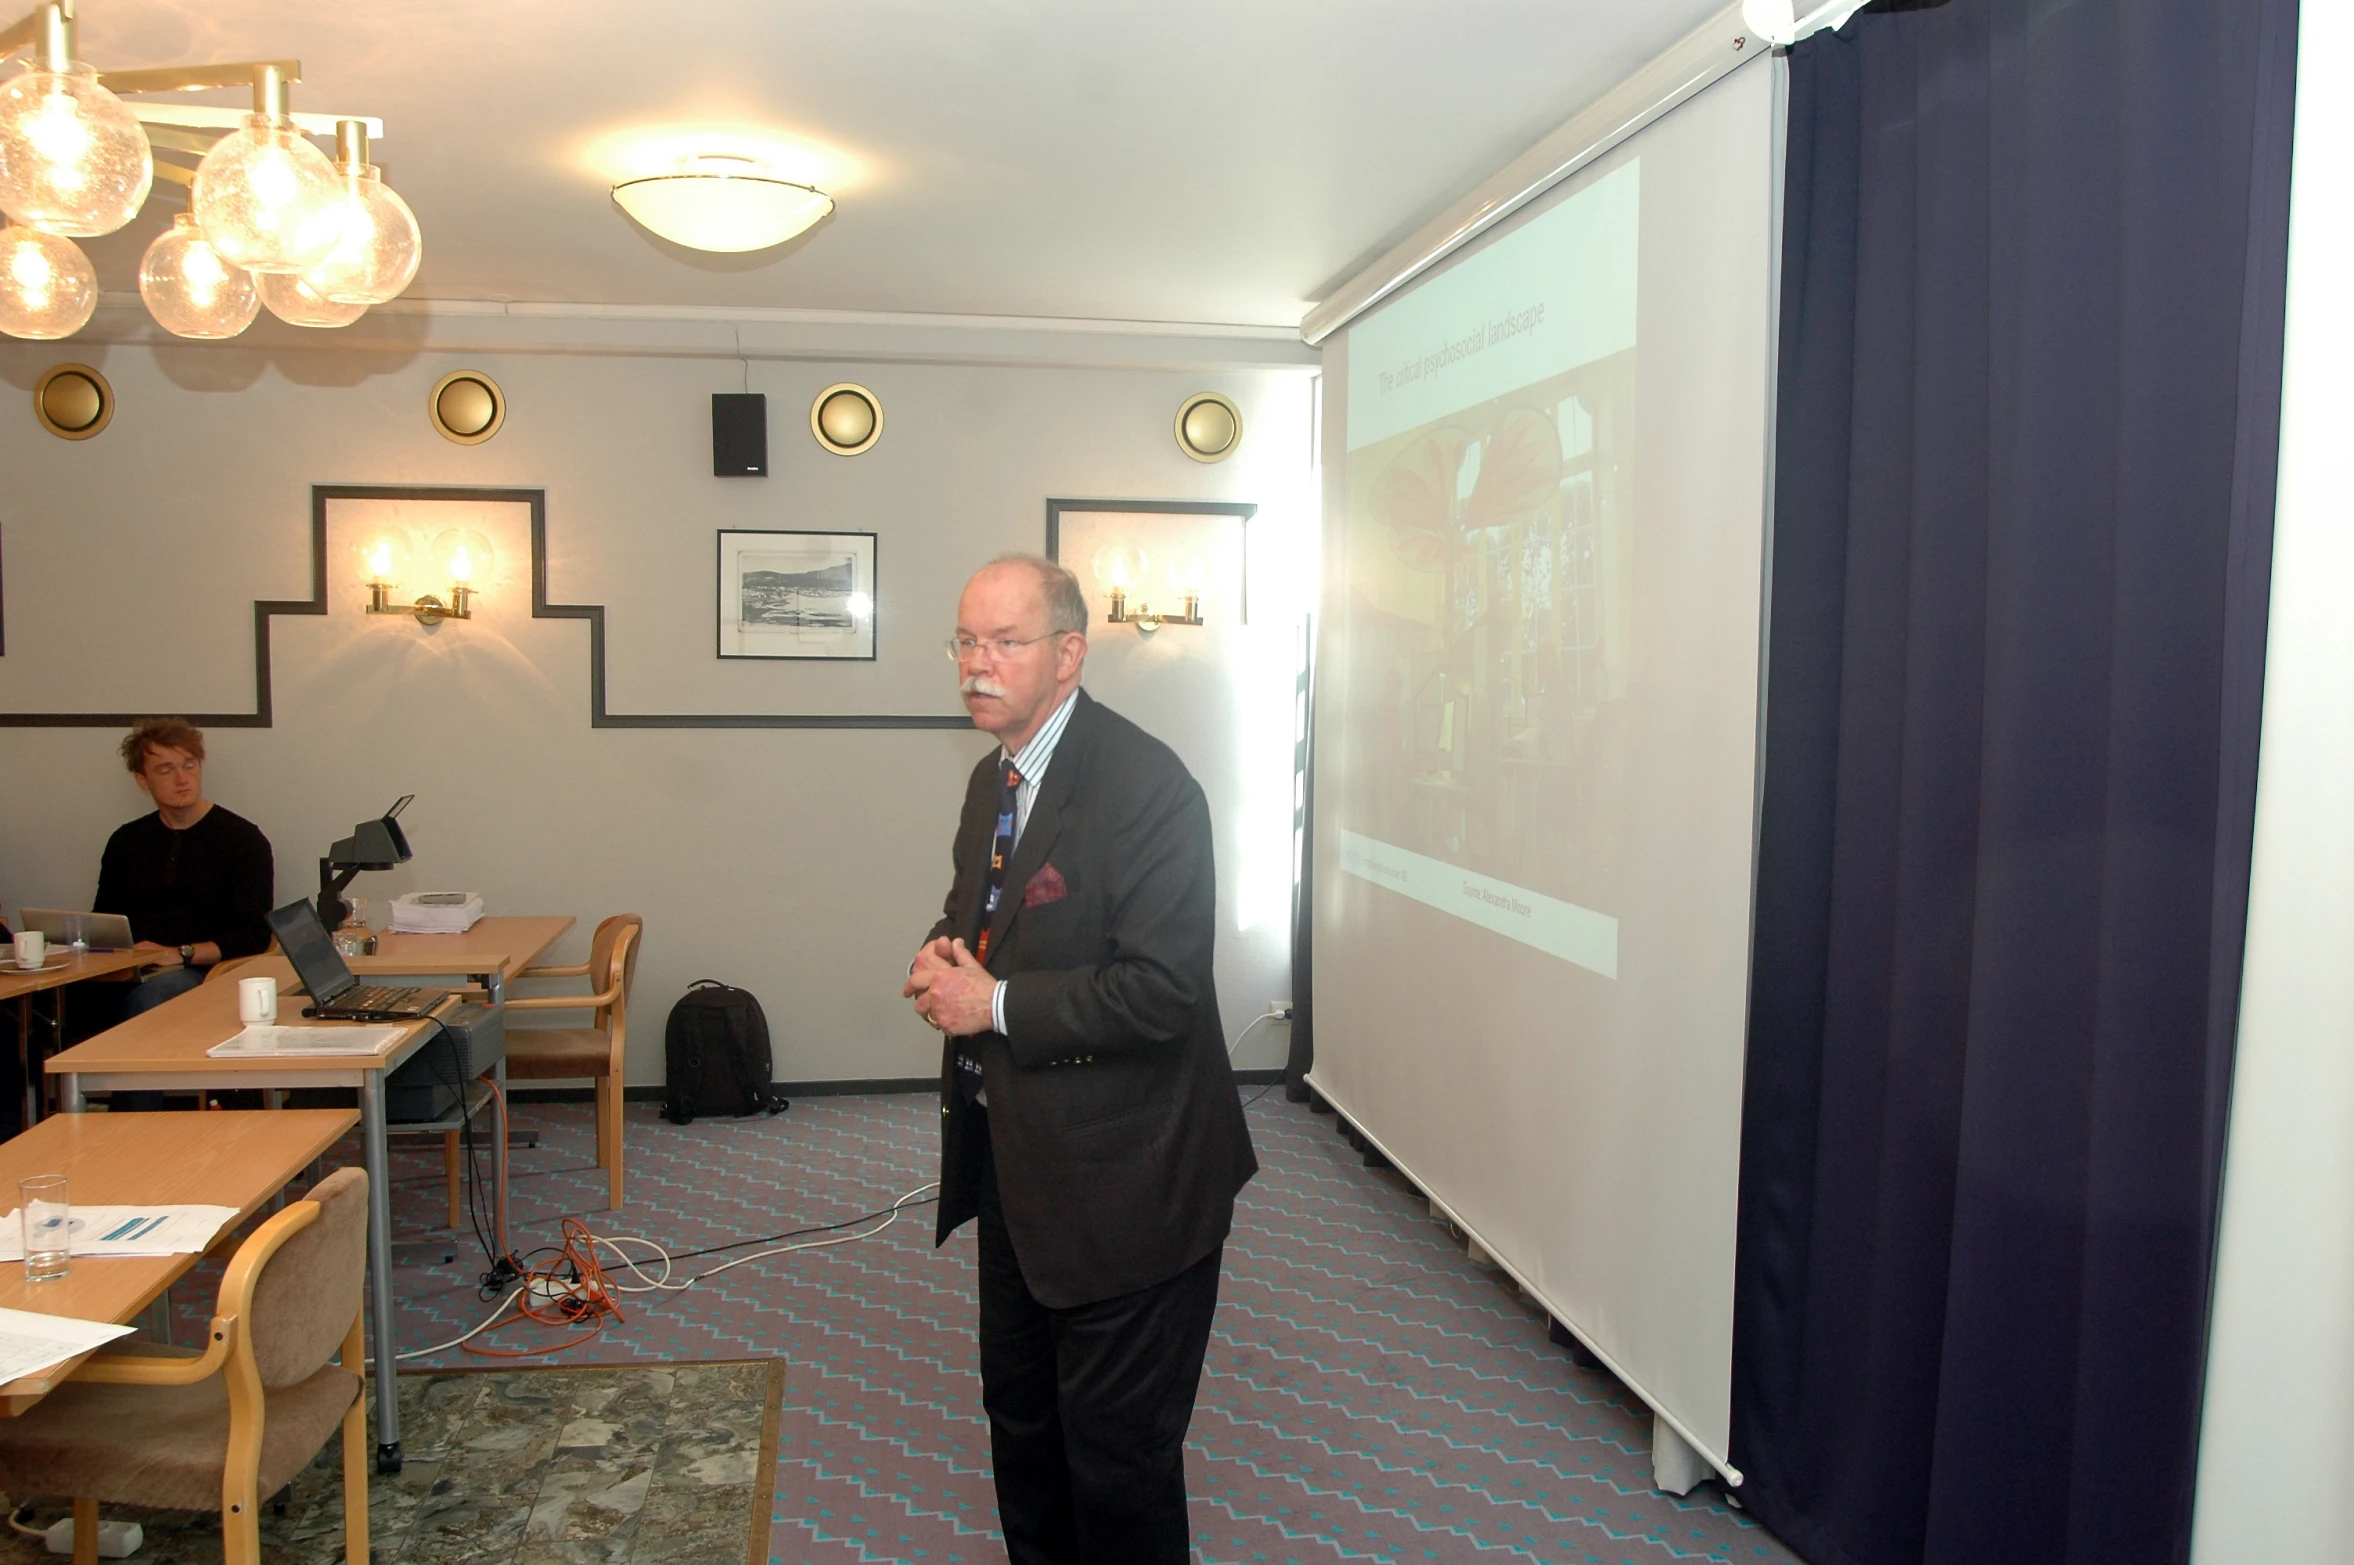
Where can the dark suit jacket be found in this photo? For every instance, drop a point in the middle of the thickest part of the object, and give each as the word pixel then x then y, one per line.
pixel 1119 1139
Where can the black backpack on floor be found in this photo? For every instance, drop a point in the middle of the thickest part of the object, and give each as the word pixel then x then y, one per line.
pixel 715 1055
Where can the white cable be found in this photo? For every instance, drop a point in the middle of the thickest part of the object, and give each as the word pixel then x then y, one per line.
pixel 663 1282
pixel 444 1347
pixel 1246 1031
pixel 651 1284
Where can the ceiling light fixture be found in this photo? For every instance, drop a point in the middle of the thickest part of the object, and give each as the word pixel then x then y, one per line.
pixel 295 302
pixel 190 290
pixel 722 202
pixel 267 199
pixel 73 159
pixel 377 252
pixel 77 160
pixel 47 287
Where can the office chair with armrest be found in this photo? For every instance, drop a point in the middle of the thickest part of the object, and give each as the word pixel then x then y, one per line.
pixel 227 971
pixel 598 1050
pixel 226 1428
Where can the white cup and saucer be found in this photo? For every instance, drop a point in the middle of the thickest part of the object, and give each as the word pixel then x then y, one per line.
pixel 32 953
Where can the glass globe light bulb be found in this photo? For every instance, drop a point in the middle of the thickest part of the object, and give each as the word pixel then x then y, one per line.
pixel 47 287
pixel 73 159
pixel 292 301
pixel 383 556
pixel 464 555
pixel 378 247
pixel 267 199
pixel 190 290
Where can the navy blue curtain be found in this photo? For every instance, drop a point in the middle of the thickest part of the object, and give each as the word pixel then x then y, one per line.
pixel 2033 265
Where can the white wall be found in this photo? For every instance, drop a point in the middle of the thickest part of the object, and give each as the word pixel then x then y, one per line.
pixel 802 864
pixel 2277 1444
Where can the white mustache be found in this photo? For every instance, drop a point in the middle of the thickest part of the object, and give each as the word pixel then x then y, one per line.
pixel 981 685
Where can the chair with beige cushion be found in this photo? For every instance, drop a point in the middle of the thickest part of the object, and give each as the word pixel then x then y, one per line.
pixel 224 972
pixel 598 1050
pixel 226 1428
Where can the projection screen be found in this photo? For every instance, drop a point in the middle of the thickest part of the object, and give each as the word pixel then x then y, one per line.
pixel 1537 721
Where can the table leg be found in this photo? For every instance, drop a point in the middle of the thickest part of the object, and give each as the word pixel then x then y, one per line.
pixel 69 1093
pixel 24 1052
pixel 379 1163
pixel 498 1164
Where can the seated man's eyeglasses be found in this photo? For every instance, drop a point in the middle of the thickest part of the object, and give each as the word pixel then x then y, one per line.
pixel 964 648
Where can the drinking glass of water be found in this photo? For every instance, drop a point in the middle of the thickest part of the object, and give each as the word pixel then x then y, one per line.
pixel 352 938
pixel 48 1226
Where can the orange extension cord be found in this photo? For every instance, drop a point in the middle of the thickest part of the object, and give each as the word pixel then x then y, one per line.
pixel 569 1290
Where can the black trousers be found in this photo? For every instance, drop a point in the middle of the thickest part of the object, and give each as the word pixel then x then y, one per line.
pixel 1088 1407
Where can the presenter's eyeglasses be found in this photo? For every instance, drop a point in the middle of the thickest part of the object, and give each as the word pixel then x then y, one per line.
pixel 963 649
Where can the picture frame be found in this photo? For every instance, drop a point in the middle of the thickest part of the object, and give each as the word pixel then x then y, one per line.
pixel 808 596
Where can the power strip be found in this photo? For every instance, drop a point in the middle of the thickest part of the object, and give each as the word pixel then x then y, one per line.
pixel 547 1290
pixel 116 1540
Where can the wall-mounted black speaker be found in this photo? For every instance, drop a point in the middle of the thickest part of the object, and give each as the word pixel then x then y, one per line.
pixel 739 434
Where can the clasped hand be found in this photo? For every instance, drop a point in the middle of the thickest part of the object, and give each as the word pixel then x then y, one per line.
pixel 951 989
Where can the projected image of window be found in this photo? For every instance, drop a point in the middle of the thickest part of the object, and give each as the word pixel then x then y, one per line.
pixel 1489 580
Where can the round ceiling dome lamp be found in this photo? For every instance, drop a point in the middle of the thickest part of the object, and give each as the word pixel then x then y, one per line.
pixel 295 302
pixel 722 203
pixel 379 248
pixel 190 290
pixel 47 287
pixel 267 199
pixel 73 159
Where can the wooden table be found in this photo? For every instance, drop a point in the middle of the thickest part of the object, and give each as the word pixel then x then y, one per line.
pixel 490 953
pixel 226 1159
pixel 18 985
pixel 164 1050
pixel 15 982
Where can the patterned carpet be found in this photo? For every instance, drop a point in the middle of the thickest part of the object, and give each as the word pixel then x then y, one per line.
pixel 1370 1394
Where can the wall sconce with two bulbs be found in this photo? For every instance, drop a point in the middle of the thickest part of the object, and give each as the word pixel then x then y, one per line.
pixel 1123 565
pixel 461 556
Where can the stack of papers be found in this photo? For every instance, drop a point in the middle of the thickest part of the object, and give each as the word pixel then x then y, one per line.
pixel 284 1041
pixel 30 1343
pixel 127 1230
pixel 436 912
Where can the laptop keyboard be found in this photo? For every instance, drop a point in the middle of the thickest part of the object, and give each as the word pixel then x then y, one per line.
pixel 386 997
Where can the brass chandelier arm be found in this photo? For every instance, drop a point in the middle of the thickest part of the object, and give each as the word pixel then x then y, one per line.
pixel 195 78
pixel 173 138
pixel 26 30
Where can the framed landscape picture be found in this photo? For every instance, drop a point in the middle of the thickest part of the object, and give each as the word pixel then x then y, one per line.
pixel 796 595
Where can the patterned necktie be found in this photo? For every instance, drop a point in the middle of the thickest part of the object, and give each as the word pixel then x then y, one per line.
pixel 1000 850
pixel 968 1064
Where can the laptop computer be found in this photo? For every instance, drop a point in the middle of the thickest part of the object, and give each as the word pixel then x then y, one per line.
pixel 98 931
pixel 336 995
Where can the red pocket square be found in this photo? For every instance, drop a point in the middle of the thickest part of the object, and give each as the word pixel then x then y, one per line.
pixel 1045 886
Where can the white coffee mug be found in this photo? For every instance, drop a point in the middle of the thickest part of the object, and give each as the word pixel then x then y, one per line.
pixel 257 1001
pixel 32 948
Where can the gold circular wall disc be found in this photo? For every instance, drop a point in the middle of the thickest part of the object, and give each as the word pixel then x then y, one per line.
pixel 73 401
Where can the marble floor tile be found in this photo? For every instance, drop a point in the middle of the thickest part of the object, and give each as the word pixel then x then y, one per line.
pixel 605 1466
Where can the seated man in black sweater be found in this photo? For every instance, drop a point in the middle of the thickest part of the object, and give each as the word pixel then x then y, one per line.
pixel 194 879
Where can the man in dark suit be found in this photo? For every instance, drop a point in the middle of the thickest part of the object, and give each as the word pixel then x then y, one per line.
pixel 1089 1114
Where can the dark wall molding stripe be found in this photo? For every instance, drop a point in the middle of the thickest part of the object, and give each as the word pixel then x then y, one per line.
pixel 322 495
